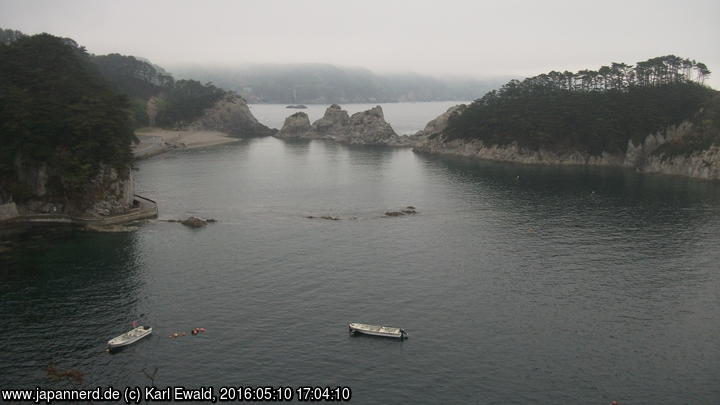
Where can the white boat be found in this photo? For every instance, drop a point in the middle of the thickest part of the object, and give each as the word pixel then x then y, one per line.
pixel 376 330
pixel 130 337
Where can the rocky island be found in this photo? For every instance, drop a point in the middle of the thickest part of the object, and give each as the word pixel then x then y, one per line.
pixel 656 117
pixel 362 128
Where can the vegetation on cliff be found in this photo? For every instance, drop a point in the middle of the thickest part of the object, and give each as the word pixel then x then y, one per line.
pixel 55 109
pixel 588 111
pixel 180 102
pixel 705 132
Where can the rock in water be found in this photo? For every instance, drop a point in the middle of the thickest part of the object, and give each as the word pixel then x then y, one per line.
pixel 334 123
pixel 370 128
pixel 194 222
pixel 296 126
pixel 363 128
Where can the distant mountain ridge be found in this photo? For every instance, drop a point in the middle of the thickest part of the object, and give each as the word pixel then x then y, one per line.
pixel 325 83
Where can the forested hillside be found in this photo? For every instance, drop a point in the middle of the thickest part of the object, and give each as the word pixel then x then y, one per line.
pixel 589 111
pixel 55 109
pixel 182 101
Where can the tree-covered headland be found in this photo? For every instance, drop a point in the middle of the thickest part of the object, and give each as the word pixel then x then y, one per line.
pixel 178 102
pixel 595 111
pixel 56 110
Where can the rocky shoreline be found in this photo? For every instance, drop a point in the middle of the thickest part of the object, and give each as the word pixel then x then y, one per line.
pixel 641 157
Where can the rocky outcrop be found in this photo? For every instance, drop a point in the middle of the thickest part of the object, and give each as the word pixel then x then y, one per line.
pixel 363 128
pixel 702 165
pixel 108 193
pixel 437 126
pixel 333 123
pixel 232 116
pixel 297 126
pixel 194 222
pixel 641 157
pixel 370 128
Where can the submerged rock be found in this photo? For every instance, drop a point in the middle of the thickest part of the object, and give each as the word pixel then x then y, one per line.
pixel 327 217
pixel 194 222
pixel 409 210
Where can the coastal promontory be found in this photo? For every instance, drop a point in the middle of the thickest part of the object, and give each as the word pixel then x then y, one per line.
pixel 66 135
pixel 656 116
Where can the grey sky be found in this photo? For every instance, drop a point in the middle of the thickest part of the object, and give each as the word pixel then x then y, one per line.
pixel 478 38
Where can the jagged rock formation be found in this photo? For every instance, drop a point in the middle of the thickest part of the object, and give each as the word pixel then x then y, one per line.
pixel 370 128
pixel 297 126
pixel 438 125
pixel 362 128
pixel 703 165
pixel 642 157
pixel 232 116
pixel 333 123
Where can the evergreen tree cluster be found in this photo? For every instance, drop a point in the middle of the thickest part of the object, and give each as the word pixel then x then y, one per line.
pixel 588 111
pixel 185 101
pixel 182 100
pixel 55 108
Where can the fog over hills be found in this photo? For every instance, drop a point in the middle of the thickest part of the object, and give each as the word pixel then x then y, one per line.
pixel 325 83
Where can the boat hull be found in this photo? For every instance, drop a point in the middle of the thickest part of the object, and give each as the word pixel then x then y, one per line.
pixel 376 330
pixel 130 337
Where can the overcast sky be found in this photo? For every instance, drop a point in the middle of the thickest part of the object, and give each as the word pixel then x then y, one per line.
pixel 473 37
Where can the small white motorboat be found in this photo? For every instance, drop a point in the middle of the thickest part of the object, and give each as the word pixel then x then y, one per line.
pixel 129 337
pixel 376 330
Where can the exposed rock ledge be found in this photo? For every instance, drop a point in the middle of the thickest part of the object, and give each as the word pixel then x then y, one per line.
pixel 703 165
pixel 232 116
pixel 362 128
pixel 108 198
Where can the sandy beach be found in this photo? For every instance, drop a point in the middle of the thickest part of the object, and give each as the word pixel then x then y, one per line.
pixel 154 141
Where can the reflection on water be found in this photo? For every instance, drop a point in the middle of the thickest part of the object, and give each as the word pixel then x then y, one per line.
pixel 61 290
pixel 517 284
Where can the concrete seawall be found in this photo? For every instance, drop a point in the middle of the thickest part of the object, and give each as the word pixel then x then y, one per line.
pixel 146 208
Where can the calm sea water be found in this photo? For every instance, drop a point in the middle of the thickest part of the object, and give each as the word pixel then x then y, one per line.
pixel 517 284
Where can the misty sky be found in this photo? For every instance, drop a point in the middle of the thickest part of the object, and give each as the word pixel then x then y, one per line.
pixel 477 38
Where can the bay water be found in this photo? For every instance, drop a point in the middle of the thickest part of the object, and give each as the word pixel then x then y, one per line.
pixel 517 284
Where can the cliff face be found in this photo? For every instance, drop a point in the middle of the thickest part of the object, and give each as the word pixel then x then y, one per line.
pixel 107 193
pixel 232 116
pixel 362 128
pixel 642 157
